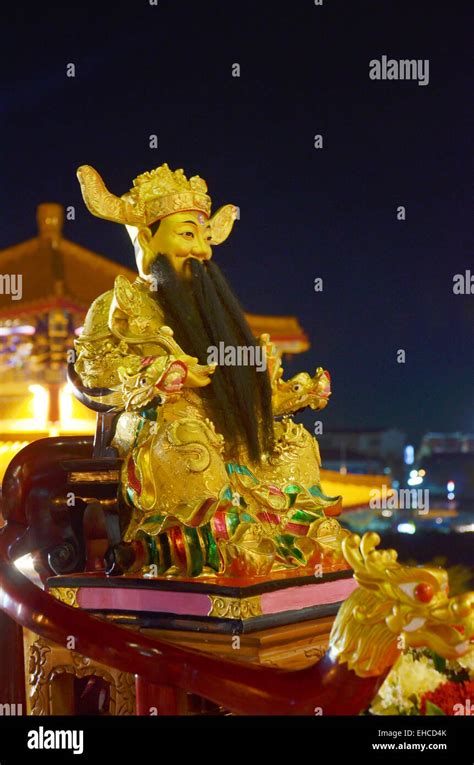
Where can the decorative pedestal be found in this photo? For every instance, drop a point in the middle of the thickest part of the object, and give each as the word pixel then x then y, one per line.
pixel 205 605
pixel 282 623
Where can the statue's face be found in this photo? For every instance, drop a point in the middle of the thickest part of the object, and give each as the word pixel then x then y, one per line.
pixel 181 236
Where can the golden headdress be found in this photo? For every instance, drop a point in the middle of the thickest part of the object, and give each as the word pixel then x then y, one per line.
pixel 154 195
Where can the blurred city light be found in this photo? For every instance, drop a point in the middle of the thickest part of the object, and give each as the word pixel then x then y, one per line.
pixel 406 528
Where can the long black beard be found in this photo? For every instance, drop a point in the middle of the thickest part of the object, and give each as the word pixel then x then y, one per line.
pixel 203 311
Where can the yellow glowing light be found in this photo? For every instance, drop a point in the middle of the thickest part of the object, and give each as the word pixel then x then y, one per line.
pixel 8 449
pixel 356 490
pixel 40 402
pixel 65 405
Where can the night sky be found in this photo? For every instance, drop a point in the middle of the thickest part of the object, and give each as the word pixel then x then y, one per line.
pixel 305 213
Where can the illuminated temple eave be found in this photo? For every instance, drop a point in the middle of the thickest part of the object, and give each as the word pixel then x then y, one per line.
pixel 285 331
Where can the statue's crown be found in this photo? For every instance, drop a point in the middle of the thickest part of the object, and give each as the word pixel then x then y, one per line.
pixel 163 191
pixel 154 195
pixel 163 181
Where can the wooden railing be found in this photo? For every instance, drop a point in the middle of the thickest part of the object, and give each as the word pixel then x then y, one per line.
pixel 240 688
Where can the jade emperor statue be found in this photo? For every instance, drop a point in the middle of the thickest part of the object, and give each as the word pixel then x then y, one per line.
pixel 217 479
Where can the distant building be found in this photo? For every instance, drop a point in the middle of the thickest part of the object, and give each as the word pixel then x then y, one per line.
pixel 378 450
pixel 376 442
pixel 445 443
pixel 351 462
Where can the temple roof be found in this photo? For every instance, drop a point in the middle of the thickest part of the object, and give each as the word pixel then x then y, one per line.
pixel 59 273
pixel 55 271
pixel 285 331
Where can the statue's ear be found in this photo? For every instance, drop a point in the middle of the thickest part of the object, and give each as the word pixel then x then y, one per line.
pixel 222 222
pixel 144 255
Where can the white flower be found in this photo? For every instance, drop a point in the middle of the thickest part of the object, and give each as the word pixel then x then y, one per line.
pixel 409 678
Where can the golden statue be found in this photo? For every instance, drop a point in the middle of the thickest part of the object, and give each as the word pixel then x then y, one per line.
pixel 212 483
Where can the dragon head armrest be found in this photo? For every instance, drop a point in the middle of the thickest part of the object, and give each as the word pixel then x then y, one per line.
pixel 396 607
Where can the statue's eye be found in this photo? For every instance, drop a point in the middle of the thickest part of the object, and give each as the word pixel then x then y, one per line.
pixel 296 387
pixel 424 592
pixel 143 381
pixel 187 234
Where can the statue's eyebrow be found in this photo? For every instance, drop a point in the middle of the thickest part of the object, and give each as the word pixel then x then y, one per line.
pixel 193 223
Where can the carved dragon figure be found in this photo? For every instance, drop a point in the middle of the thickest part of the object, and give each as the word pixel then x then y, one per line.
pixel 397 606
pixel 300 391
